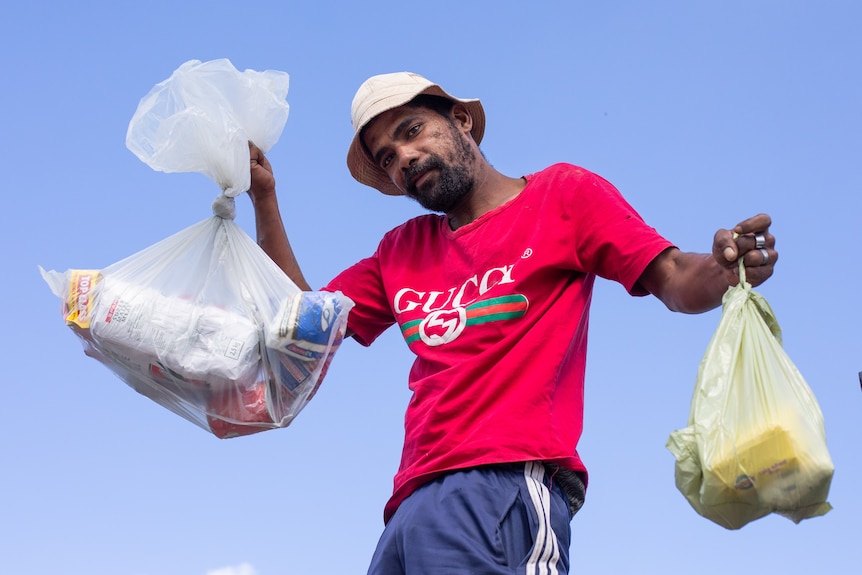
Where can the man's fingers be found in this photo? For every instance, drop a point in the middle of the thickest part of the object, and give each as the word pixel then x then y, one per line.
pixel 748 235
pixel 257 157
pixel 758 223
pixel 724 247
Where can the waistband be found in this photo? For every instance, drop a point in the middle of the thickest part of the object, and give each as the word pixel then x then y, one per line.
pixel 571 482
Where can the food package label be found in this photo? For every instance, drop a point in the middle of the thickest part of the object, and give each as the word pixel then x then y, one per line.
pixel 767 470
pixel 304 325
pixel 78 306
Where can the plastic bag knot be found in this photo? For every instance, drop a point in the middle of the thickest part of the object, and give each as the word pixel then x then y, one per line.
pixel 224 207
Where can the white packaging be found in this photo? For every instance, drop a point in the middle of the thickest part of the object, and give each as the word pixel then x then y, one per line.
pixel 196 342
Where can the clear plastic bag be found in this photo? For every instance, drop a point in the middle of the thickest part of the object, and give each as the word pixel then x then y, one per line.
pixel 204 322
pixel 755 443
pixel 202 117
pixel 206 325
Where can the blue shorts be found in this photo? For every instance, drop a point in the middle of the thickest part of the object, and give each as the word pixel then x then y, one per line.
pixel 508 519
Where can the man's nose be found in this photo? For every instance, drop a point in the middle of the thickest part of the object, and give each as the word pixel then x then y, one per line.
pixel 407 156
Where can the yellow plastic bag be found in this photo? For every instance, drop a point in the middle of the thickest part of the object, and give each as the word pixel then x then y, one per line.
pixel 755 442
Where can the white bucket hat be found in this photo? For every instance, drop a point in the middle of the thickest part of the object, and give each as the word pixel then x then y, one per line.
pixel 385 92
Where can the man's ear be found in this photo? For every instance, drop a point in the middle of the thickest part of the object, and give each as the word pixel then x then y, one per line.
pixel 462 117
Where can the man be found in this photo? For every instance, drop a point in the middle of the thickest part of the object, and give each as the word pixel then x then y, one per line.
pixel 492 295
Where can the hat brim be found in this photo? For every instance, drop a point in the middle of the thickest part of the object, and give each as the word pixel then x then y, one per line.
pixel 360 163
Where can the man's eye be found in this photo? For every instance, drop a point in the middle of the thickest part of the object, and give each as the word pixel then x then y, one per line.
pixel 387 159
pixel 414 129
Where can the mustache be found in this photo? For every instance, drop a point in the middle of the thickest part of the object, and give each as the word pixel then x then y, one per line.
pixel 414 171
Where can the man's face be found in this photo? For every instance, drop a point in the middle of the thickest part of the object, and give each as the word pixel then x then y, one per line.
pixel 425 154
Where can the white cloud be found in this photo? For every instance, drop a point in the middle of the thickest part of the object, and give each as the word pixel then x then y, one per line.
pixel 242 569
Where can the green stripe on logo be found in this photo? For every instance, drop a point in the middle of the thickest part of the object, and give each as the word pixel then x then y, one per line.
pixel 495 309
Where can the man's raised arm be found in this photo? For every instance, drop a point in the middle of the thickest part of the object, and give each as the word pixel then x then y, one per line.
pixel 269 225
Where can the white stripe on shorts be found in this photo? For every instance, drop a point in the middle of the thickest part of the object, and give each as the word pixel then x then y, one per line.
pixel 546 553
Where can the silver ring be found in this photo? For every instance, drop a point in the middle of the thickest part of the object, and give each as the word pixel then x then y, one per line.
pixel 765 255
pixel 759 241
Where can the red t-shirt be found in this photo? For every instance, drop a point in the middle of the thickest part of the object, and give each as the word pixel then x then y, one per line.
pixel 497 313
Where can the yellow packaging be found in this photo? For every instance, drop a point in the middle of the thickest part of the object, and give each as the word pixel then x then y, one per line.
pixel 78 307
pixel 764 469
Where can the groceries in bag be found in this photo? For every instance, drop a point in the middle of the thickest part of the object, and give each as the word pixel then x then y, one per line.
pixel 756 441
pixel 227 341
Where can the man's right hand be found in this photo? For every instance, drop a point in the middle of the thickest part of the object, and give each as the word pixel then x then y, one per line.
pixel 262 179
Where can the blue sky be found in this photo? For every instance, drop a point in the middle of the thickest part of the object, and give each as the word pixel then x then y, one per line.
pixel 702 113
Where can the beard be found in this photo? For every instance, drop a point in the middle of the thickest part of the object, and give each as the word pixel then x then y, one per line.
pixel 454 181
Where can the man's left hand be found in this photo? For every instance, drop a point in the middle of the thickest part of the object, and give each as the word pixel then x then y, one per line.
pixel 751 240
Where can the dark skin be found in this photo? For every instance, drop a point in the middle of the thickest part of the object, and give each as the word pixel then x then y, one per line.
pixel 433 159
pixel 270 229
